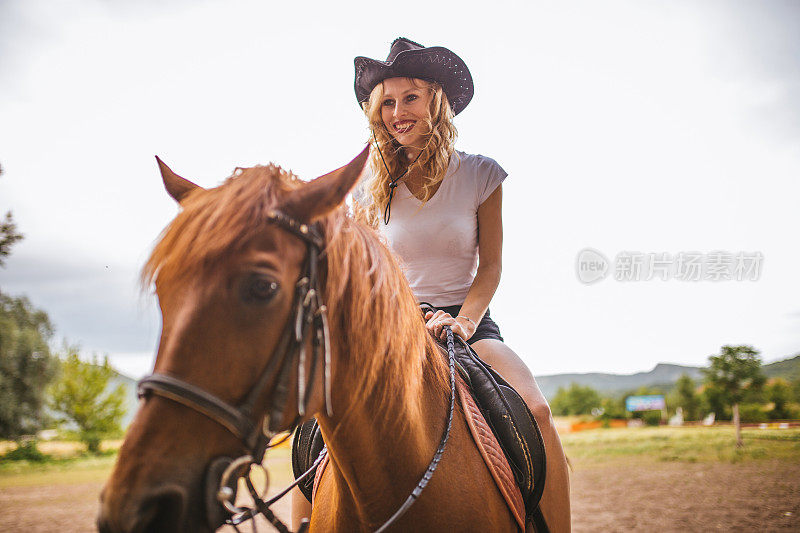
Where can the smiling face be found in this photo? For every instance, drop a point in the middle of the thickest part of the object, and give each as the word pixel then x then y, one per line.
pixel 405 108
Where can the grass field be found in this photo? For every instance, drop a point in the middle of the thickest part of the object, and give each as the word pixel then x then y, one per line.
pixel 690 444
pixel 637 479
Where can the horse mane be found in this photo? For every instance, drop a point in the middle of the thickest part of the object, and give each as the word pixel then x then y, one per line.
pixel 215 223
pixel 384 339
pixel 378 337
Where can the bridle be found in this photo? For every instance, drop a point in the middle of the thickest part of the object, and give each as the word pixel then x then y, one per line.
pixel 256 432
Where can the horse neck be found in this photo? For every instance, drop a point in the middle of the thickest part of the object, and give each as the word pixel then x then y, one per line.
pixel 379 454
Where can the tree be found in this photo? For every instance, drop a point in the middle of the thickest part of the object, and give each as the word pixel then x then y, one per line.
pixel 779 394
pixel 8 235
pixel 684 395
pixel 575 400
pixel 612 408
pixel 26 366
pixel 81 394
pixel 712 401
pixel 732 372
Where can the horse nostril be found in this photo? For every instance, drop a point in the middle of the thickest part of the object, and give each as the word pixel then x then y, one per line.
pixel 162 511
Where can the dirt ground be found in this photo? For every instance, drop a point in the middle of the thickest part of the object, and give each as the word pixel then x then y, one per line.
pixel 670 496
pixel 619 496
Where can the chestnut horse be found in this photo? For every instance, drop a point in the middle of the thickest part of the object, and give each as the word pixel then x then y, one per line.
pixel 225 276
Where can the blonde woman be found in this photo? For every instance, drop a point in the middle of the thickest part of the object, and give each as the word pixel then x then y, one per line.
pixel 440 211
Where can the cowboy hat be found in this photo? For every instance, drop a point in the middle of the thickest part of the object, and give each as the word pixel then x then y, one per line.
pixel 408 59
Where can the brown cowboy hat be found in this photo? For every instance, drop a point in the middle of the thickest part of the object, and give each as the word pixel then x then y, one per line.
pixel 408 59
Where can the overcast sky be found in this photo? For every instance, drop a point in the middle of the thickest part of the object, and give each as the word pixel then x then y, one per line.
pixel 637 126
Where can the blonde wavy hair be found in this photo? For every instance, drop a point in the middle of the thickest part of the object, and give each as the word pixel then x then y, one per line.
pixel 441 136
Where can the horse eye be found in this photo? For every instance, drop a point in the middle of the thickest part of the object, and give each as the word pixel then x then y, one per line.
pixel 261 290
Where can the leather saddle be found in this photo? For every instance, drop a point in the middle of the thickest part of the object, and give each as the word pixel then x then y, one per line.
pixel 506 413
pixel 512 424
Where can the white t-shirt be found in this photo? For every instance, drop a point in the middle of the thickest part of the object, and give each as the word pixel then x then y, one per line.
pixel 437 242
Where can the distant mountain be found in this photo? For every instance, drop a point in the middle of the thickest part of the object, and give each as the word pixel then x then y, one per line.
pixel 787 369
pixel 662 374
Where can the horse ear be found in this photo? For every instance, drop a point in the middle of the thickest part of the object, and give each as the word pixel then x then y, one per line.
pixel 324 194
pixel 176 186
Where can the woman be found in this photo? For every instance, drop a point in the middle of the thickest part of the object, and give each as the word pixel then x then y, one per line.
pixel 440 211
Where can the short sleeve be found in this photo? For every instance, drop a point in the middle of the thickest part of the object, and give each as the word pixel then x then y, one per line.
pixel 490 175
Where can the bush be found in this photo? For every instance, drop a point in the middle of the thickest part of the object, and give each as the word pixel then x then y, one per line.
pixel 789 412
pixel 652 418
pixel 83 395
pixel 613 408
pixel 752 412
pixel 779 394
pixel 575 400
pixel 26 450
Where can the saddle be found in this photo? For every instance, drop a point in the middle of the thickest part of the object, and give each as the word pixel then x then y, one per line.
pixel 505 413
pixel 512 424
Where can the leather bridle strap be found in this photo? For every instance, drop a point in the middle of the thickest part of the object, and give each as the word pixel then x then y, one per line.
pixel 197 399
pixel 238 420
pixel 310 315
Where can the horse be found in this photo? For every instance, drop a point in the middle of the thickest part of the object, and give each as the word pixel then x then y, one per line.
pixel 226 272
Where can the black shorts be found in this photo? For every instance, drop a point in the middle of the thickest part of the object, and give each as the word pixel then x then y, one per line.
pixel 487 329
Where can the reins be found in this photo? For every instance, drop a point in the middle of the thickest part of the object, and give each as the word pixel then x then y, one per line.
pixel 310 319
pixel 451 356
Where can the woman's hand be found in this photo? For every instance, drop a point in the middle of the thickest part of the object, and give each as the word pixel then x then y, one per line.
pixel 436 322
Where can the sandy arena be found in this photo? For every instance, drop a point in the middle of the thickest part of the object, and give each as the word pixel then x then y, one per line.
pixel 667 496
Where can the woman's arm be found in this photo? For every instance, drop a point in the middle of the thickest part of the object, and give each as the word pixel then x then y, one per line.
pixel 490 257
pixel 487 278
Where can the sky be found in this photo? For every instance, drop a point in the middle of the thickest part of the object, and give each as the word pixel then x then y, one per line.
pixel 629 128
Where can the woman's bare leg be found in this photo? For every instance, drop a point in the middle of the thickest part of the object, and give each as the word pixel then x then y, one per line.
pixel 301 508
pixel 555 502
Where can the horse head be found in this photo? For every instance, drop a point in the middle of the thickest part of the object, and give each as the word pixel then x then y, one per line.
pixel 227 272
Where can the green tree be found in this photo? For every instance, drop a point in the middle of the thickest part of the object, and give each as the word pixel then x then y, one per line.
pixel 684 395
pixel 26 366
pixel 613 408
pixel 575 400
pixel 81 395
pixel 779 394
pixel 646 390
pixel 712 401
pixel 8 235
pixel 735 370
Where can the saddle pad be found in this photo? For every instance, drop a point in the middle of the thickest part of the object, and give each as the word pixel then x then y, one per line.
pixel 511 422
pixel 492 453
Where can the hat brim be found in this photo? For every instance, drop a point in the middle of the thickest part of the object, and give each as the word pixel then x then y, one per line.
pixel 432 64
